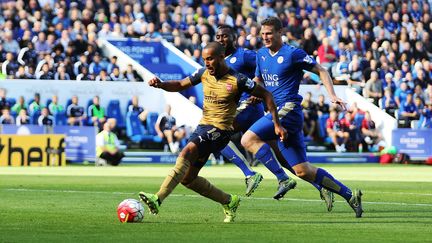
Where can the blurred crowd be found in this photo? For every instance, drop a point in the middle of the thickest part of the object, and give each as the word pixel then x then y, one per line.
pixel 381 49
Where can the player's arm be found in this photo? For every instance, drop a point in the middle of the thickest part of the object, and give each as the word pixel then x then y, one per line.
pixel 253 99
pixel 177 85
pixel 328 84
pixel 172 85
pixel 259 81
pixel 262 93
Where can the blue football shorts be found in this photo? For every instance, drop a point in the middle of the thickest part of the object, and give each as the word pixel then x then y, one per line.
pixel 248 115
pixel 293 148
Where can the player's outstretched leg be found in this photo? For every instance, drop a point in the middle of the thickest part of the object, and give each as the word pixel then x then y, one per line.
pixel 321 177
pixel 253 178
pixel 174 177
pixel 203 187
pixel 267 158
pixel 152 202
pixel 325 194
pixel 328 198
pixel 230 209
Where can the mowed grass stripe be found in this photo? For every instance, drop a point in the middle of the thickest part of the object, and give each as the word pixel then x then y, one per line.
pixel 188 195
pixel 343 172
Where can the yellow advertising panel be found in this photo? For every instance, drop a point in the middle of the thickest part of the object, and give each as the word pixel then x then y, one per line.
pixel 32 150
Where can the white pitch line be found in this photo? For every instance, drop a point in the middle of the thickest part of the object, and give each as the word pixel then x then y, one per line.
pixel 187 195
pixel 401 193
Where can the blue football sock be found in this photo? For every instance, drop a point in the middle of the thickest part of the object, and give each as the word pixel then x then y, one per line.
pixel 327 181
pixel 236 157
pixel 318 187
pixel 266 157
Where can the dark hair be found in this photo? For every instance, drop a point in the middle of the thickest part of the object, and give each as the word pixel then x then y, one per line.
pixel 217 47
pixel 230 29
pixel 273 21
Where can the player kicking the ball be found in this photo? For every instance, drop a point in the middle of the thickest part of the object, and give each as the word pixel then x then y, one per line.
pixel 222 88
pixel 280 69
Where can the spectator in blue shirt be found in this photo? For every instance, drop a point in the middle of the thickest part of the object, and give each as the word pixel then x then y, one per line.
pixel 96 66
pixel 112 64
pixel 408 111
pixel 401 94
pixel 426 117
pixel 388 102
pixel 61 18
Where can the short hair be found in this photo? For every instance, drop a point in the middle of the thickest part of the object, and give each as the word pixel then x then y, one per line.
pixel 217 47
pixel 273 21
pixel 230 29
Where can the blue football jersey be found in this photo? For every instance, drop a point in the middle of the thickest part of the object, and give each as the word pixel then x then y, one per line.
pixel 243 61
pixel 283 72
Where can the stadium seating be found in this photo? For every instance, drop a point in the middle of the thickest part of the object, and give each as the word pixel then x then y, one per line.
pixel 127 106
pixel 151 121
pixel 113 111
pixel 34 117
pixel 11 101
pixel 29 101
pixel 89 120
pixel 362 44
pixel 68 102
pixel 61 118
pixel 134 128
pixel 48 102
pixel 136 132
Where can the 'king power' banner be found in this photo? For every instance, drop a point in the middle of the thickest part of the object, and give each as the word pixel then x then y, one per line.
pixel 416 143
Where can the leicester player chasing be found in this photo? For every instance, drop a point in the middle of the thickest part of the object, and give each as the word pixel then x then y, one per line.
pixel 222 88
pixel 279 68
pixel 248 112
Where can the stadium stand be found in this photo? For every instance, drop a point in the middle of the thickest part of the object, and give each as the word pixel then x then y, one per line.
pixel 353 39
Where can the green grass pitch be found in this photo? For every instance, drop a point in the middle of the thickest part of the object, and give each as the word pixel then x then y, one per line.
pixel 78 204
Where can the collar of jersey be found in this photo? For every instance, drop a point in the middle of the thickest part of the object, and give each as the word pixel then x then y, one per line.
pixel 274 53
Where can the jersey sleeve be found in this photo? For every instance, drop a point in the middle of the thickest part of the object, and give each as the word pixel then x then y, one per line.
pixel 257 68
pixel 302 60
pixel 195 77
pixel 245 84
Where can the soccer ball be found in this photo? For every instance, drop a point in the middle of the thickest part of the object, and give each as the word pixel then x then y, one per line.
pixel 130 211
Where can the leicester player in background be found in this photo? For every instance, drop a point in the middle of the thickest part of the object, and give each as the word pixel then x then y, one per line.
pixel 222 88
pixel 248 112
pixel 280 69
pixel 243 61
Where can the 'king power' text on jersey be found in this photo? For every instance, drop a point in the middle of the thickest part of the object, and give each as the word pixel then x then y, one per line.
pixel 282 72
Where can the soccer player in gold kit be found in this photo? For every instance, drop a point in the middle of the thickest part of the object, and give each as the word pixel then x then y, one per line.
pixel 222 88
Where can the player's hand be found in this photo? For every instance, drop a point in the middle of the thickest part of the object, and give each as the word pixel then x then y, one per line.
pixel 254 100
pixel 340 102
pixel 155 82
pixel 281 132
